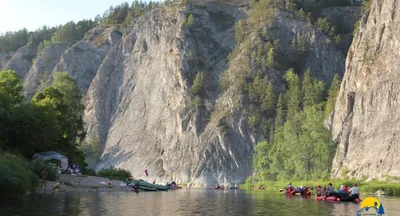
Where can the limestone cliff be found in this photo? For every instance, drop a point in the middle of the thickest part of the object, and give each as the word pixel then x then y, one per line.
pixel 139 110
pixel 138 103
pixel 4 57
pixel 42 68
pixel 365 120
pixel 21 61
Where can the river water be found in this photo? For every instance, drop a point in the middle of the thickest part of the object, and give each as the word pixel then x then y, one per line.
pixel 181 202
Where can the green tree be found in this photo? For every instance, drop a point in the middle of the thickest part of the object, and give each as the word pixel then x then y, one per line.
pixel 64 99
pixel 271 58
pixel 198 84
pixel 307 89
pixel 293 93
pixel 261 160
pixel 10 89
pixel 280 115
pixel 268 99
pixel 190 20
pixel 332 95
pixel 240 31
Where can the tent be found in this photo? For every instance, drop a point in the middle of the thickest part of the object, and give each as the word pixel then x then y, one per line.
pixel 49 155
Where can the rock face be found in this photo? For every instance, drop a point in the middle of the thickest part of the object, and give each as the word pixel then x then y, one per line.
pixel 138 103
pixel 139 111
pixel 4 58
pixel 42 68
pixel 366 121
pixel 21 62
pixel 323 59
pixel 83 59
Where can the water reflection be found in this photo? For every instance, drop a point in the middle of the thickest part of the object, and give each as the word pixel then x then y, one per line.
pixel 183 202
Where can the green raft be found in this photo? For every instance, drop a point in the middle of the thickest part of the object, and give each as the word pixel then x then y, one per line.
pixel 147 188
pixel 143 185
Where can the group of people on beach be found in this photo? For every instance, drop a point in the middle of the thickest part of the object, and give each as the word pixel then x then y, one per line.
pixel 222 187
pixel 43 181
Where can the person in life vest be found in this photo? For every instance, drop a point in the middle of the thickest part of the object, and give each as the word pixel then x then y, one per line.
pixel 354 194
pixel 345 188
pixel 324 190
pixel 331 189
pixel 318 191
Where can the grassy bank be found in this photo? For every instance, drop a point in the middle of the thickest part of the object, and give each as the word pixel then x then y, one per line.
pixel 390 188
pixel 16 176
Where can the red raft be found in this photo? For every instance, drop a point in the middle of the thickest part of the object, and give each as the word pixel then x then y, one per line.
pixel 335 199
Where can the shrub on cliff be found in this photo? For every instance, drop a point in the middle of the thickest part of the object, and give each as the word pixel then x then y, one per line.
pixel 114 173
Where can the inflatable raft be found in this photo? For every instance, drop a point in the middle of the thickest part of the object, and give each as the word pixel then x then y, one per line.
pixel 337 199
pixel 143 185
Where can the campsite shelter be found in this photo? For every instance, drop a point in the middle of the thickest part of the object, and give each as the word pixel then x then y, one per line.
pixel 52 155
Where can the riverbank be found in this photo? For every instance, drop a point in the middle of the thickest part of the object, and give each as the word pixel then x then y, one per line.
pixel 391 188
pixel 84 183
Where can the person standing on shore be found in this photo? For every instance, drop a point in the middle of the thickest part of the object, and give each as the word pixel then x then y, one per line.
pixel 43 177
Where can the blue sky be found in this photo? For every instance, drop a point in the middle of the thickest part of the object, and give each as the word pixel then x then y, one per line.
pixel 32 14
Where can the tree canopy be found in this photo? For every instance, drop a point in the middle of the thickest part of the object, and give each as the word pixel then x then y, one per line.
pixel 51 121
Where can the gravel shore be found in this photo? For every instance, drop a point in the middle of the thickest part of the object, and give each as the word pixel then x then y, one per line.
pixel 84 183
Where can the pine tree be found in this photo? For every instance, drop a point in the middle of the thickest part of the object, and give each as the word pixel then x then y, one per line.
pixel 332 94
pixel 198 84
pixel 271 58
pixel 293 93
pixel 190 20
pixel 307 89
pixel 268 99
pixel 280 115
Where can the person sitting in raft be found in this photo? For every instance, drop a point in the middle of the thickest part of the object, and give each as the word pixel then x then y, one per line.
pixel 324 191
pixel 331 189
pixel 354 193
pixel 57 186
pixel 318 191
pixel 345 188
pixel 341 189
pixel 305 191
pixel 354 190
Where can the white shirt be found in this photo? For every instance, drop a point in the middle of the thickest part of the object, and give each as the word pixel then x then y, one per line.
pixel 354 190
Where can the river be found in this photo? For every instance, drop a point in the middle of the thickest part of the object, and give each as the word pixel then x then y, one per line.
pixel 181 202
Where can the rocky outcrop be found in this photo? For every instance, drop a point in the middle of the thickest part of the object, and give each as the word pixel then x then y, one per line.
pixel 345 18
pixel 322 57
pixel 21 62
pixel 4 58
pixel 42 68
pixel 138 103
pixel 83 59
pixel 139 111
pixel 366 121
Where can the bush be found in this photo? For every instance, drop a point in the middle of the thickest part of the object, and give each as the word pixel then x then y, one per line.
pixel 190 20
pixel 195 103
pixel 389 189
pixel 15 176
pixel 113 173
pixel 198 84
pixel 90 172
pixel 38 165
